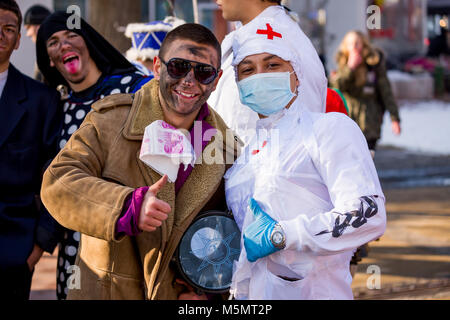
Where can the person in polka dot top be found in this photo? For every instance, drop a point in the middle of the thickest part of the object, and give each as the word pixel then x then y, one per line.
pixel 91 68
pixel 78 104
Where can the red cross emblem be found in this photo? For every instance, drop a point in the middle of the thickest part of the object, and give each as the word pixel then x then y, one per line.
pixel 269 32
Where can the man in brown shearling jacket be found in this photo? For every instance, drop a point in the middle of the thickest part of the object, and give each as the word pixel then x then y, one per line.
pixel 98 179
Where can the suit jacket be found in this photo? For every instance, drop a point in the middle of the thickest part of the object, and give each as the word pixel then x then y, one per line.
pixel 30 122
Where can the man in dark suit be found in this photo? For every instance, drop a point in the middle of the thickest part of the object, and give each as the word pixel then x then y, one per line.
pixel 30 122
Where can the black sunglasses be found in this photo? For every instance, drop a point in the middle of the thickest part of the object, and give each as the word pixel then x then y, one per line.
pixel 179 68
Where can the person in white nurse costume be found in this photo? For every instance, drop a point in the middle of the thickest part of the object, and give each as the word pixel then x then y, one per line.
pixel 304 192
pixel 225 99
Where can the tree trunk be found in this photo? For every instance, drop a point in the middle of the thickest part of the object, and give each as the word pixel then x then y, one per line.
pixel 110 18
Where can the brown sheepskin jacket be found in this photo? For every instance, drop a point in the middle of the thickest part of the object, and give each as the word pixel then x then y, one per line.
pixel 87 183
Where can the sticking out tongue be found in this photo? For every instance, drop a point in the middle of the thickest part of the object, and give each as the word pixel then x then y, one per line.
pixel 72 65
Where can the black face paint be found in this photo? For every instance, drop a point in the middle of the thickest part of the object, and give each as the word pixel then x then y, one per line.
pixel 368 208
pixel 168 85
pixel 107 58
pixel 197 51
pixel 165 84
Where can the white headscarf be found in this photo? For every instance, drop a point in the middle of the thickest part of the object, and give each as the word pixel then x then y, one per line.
pixel 280 35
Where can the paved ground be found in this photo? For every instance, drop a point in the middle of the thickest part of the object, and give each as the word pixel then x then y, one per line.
pixel 414 252
pixel 413 257
pixel 43 286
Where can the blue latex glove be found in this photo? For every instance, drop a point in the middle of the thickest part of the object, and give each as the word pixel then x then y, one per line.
pixel 257 235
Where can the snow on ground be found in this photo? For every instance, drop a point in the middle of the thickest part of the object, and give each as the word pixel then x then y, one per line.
pixel 425 127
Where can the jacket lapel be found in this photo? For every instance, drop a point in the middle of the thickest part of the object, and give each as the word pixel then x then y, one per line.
pixel 201 184
pixel 198 189
pixel 11 108
pixel 145 110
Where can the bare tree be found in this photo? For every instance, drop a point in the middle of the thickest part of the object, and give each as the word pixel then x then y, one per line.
pixel 110 17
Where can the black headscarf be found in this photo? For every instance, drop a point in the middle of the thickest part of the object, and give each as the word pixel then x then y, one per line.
pixel 107 58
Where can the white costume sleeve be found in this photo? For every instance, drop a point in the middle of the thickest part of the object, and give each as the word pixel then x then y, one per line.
pixel 340 154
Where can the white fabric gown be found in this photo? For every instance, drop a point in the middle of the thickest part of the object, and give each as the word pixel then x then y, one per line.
pixel 301 53
pixel 305 174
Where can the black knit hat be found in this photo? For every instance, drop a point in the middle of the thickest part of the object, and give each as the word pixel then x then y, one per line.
pixel 36 15
pixel 107 58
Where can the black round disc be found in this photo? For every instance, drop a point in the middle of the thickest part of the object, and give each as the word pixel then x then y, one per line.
pixel 207 250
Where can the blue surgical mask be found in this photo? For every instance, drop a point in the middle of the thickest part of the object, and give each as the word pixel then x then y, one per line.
pixel 266 93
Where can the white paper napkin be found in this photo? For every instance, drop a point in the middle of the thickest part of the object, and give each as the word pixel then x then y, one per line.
pixel 164 148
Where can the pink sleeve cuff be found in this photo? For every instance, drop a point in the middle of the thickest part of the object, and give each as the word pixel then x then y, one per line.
pixel 128 221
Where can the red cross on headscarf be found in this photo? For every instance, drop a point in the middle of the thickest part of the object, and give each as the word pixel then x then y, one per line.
pixel 269 32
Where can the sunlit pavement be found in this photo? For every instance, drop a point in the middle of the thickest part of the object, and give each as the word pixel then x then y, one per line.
pixel 43 286
pixel 413 256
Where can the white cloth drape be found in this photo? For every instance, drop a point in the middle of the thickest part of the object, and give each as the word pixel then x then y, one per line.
pixel 294 46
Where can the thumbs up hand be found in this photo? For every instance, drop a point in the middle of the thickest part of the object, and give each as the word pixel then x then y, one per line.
pixel 257 235
pixel 153 211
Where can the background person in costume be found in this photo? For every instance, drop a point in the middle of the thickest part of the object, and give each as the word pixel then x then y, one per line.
pixel 33 18
pixel 30 122
pixel 305 191
pixel 84 61
pixel 131 216
pixel 146 40
pixel 361 77
pixel 225 100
